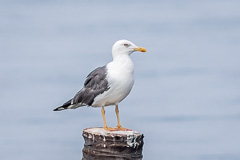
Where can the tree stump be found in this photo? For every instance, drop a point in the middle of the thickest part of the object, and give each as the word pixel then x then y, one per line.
pixel 112 145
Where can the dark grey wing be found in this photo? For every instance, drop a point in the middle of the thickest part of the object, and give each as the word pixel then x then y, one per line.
pixel 95 84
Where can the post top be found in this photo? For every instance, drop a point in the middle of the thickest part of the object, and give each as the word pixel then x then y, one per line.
pixel 102 131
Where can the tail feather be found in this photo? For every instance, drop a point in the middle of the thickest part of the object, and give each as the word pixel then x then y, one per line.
pixel 66 105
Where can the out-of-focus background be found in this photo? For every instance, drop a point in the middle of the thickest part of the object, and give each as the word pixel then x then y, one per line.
pixel 186 97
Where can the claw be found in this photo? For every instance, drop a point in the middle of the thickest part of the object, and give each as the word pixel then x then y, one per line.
pixel 109 129
pixel 117 129
pixel 120 128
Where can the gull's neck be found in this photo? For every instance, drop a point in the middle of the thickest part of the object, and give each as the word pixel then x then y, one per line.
pixel 120 55
pixel 123 61
pixel 121 58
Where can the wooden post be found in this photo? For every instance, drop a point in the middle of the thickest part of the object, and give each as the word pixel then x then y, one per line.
pixel 109 145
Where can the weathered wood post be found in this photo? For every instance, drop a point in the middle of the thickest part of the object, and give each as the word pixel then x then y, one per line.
pixel 112 145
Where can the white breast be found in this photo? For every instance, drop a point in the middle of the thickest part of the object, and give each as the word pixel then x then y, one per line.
pixel 120 79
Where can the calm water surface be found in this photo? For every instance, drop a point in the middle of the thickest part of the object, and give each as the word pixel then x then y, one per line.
pixel 186 97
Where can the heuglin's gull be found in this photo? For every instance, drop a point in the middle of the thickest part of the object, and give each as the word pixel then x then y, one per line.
pixel 108 85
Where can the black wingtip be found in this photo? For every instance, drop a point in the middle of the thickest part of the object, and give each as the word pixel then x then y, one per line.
pixel 59 108
pixel 55 109
pixel 64 106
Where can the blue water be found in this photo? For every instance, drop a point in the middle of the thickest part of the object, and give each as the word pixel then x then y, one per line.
pixel 186 96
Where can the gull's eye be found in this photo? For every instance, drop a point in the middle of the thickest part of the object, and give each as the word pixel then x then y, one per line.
pixel 126 45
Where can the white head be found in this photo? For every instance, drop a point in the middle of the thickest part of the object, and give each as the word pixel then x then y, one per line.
pixel 125 47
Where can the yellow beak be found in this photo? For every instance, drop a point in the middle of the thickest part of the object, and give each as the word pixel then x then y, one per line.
pixel 141 49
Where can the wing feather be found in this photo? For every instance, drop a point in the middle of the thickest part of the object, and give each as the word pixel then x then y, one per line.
pixel 95 84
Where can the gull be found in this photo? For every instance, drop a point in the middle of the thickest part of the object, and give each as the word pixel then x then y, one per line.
pixel 108 85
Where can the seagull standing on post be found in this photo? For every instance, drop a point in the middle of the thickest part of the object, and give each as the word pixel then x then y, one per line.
pixel 108 85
